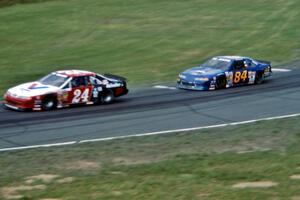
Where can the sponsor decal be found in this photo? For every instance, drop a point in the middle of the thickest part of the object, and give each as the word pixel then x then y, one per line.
pixel 95 92
pixel 112 85
pixel 251 75
pixel 229 76
pixel 62 96
pixel 35 86
pixel 212 87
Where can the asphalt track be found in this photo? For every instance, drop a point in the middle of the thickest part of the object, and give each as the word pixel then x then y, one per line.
pixel 151 109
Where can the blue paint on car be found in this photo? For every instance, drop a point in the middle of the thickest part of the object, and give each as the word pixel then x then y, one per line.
pixel 224 71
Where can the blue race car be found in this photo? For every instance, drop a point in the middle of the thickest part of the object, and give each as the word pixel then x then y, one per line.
pixel 223 72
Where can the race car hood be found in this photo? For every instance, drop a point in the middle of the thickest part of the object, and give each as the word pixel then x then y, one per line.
pixel 32 89
pixel 201 72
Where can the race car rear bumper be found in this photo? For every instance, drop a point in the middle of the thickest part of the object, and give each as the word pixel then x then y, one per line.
pixel 120 91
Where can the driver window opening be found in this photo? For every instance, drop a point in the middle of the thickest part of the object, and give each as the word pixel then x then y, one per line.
pixel 238 65
pixel 79 81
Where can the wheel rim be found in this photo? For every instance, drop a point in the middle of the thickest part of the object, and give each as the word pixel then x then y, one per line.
pixel 259 79
pixel 49 104
pixel 221 83
pixel 107 98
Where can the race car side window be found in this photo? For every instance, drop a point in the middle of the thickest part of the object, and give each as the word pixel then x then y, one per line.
pixel 67 86
pixel 248 63
pixel 238 65
pixel 79 81
pixel 95 81
pixel 251 64
pixel 100 77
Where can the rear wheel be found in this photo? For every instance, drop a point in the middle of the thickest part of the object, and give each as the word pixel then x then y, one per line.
pixel 221 83
pixel 107 97
pixel 49 103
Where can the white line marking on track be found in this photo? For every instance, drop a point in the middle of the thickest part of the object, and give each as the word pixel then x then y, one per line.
pixel 191 129
pixel 164 87
pixel 39 146
pixel 153 133
pixel 280 70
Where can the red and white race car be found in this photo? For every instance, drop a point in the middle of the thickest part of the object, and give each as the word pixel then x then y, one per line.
pixel 64 88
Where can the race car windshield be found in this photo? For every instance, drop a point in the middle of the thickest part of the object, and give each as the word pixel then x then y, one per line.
pixel 53 79
pixel 217 64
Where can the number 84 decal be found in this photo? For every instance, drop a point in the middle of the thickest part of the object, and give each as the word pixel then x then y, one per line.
pixel 238 76
pixel 80 97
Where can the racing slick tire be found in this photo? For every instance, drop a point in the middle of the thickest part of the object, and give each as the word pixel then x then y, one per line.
pixel 107 97
pixel 259 78
pixel 49 103
pixel 221 82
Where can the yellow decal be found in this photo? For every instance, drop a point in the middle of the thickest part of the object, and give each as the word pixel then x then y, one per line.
pixel 238 76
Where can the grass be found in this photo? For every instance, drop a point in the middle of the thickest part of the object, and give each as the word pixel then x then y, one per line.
pixel 191 165
pixel 146 41
pixel 5 3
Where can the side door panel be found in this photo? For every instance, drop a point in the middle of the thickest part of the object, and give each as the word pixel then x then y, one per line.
pixel 80 94
pixel 81 90
pixel 240 73
pixel 240 77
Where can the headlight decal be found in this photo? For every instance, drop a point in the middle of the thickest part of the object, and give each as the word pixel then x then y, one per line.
pixel 182 76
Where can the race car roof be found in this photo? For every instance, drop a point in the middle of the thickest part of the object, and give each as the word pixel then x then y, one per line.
pixel 74 73
pixel 232 57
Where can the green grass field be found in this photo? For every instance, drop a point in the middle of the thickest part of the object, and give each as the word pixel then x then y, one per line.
pixel 146 41
pixel 198 165
pixel 151 41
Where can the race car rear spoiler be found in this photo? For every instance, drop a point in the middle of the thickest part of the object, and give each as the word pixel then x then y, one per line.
pixel 264 61
pixel 120 78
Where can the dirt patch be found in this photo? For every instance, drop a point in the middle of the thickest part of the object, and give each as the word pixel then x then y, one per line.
pixel 133 161
pixel 203 195
pixel 118 173
pixel 12 192
pixel 253 151
pixel 96 195
pixel 186 176
pixel 13 196
pixel 50 199
pixel 65 180
pixel 46 178
pixel 295 177
pixel 117 193
pixel 295 198
pixel 256 184
pixel 83 165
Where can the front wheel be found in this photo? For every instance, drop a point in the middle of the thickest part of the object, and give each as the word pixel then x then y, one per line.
pixel 49 103
pixel 221 83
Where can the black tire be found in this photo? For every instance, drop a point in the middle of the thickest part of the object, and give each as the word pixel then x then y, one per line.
pixel 259 78
pixel 221 82
pixel 49 103
pixel 107 97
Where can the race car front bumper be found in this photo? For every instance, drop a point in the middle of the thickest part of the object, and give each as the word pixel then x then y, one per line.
pixel 182 84
pixel 17 103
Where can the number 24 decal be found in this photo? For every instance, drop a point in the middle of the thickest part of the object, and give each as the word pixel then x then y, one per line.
pixel 78 96
pixel 238 76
